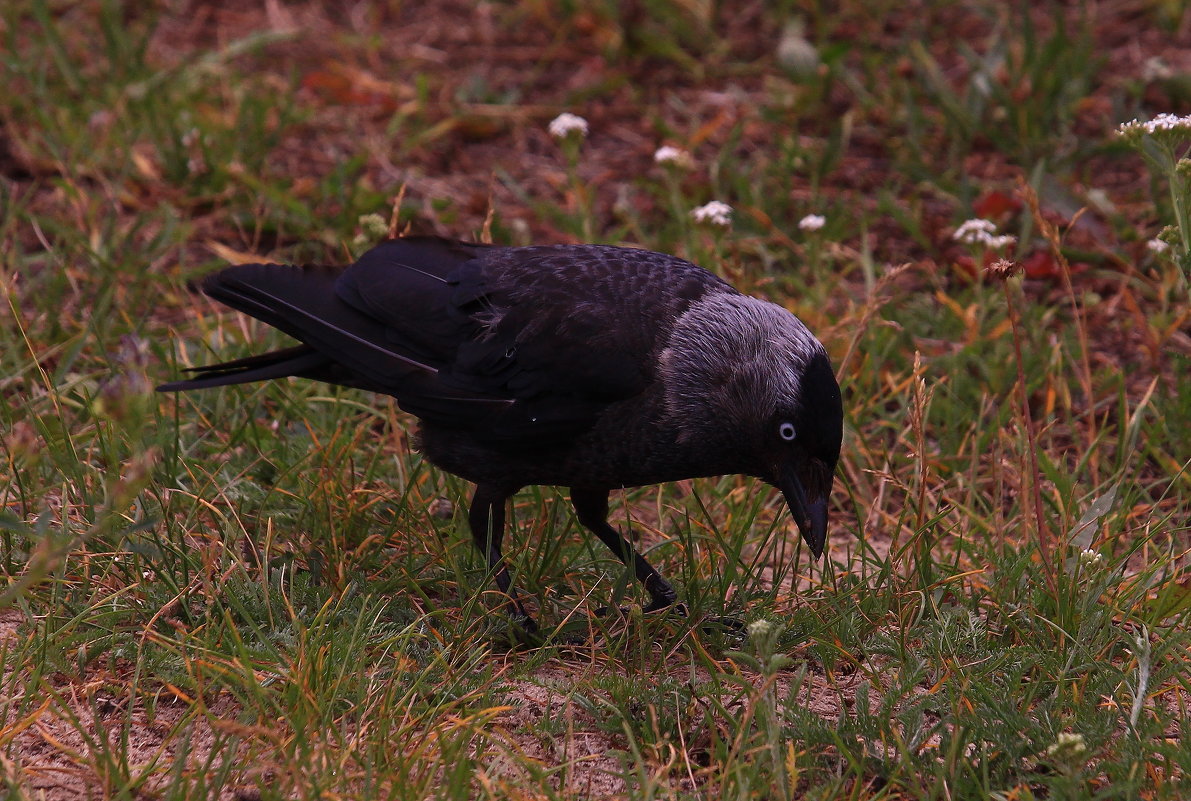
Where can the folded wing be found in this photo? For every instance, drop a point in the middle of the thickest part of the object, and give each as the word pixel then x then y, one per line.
pixel 526 344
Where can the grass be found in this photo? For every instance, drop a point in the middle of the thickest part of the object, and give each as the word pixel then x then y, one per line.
pixel 265 592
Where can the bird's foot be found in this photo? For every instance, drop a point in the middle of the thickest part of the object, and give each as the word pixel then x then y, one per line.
pixel 666 602
pixel 723 624
pixel 605 611
pixel 715 624
pixel 518 630
pixel 524 623
pixel 661 594
pixel 656 605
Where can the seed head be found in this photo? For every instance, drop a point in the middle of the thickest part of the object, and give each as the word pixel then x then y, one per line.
pixel 1003 269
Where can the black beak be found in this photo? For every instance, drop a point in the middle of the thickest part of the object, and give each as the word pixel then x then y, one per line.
pixel 810 515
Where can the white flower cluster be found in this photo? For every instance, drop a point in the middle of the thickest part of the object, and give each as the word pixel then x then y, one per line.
pixel 812 222
pixel 713 213
pixel 760 628
pixel 1158 246
pixel 567 123
pixel 374 226
pixel 1068 745
pixel 670 156
pixel 1163 123
pixel 1090 558
pixel 982 232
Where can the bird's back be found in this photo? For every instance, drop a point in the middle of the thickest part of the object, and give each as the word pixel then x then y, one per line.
pixel 519 349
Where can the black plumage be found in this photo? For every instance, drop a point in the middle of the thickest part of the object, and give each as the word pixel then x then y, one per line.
pixel 585 366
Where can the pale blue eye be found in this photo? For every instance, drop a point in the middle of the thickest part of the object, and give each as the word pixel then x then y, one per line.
pixel 786 431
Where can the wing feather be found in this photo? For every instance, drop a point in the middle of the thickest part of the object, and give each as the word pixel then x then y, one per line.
pixel 526 344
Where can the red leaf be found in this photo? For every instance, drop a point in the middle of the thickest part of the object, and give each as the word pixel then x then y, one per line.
pixel 349 86
pixel 995 204
pixel 1040 264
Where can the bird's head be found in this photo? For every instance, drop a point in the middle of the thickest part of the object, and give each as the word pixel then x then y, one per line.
pixel 749 385
pixel 803 449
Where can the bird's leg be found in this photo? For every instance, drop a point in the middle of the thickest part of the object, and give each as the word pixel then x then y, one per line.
pixel 487 520
pixel 591 506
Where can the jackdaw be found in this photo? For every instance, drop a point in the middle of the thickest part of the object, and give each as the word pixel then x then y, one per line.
pixel 585 366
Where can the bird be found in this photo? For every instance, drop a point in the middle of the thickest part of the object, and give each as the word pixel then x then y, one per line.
pixel 584 366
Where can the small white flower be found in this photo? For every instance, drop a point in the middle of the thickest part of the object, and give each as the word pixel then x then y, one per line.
pixel 974 231
pixel 1090 558
pixel 980 232
pixel 713 213
pixel 795 52
pixel 373 228
pixel 1067 746
pixel 1167 122
pixel 759 629
pixel 1160 124
pixel 1155 69
pixel 670 156
pixel 567 123
pixel 812 222
pixel 1157 246
pixel 374 225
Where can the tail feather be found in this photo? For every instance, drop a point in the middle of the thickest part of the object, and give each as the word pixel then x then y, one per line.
pixel 300 360
pixel 302 302
pixel 347 335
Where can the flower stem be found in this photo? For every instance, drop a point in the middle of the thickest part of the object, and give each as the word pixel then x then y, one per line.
pixel 1045 543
